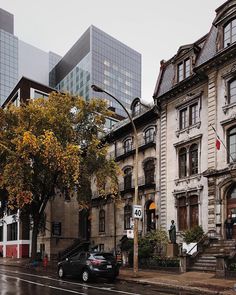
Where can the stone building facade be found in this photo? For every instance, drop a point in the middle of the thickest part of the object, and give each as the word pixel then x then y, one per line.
pixel 196 92
pixel 112 219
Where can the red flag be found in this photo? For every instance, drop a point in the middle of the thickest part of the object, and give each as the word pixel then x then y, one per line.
pixel 217 144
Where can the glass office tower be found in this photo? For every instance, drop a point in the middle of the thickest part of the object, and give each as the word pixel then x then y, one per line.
pixel 18 58
pixel 97 58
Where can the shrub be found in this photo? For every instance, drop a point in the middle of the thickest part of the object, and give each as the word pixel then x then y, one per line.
pixel 166 262
pixel 193 235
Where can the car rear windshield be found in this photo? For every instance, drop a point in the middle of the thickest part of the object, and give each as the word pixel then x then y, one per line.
pixel 104 256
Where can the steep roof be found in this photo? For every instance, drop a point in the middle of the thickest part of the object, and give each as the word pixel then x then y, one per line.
pixel 206 52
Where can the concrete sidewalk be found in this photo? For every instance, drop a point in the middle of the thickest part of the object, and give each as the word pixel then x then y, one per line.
pixel 200 282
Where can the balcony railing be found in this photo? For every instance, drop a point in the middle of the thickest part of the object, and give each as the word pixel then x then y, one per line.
pixel 142 142
pixel 142 181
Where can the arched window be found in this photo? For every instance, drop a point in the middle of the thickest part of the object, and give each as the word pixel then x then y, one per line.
pixel 102 220
pixel 231 143
pixel 182 163
pixel 128 145
pixel 127 178
pixel 149 171
pixel 193 159
pixel 230 33
pixel 127 216
pixel 232 91
pixel 151 216
pixel 149 135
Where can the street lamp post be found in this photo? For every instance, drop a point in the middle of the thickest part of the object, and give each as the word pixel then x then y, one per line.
pixel 135 262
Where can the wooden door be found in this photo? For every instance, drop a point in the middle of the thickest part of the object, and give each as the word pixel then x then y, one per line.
pixel 231 209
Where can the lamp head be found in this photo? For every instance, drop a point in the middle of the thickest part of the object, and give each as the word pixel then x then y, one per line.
pixel 96 88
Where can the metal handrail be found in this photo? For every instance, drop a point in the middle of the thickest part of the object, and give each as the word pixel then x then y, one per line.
pixel 202 238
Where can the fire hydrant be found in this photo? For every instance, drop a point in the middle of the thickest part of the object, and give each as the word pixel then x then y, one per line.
pixel 45 261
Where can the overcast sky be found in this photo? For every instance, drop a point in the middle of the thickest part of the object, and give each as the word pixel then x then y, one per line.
pixel 155 28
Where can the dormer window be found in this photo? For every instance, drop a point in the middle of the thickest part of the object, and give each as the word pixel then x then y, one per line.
pixel 230 33
pixel 183 70
pixel 136 108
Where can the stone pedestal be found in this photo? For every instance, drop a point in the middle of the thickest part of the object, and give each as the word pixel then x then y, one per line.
pixel 183 262
pixel 220 265
pixel 172 250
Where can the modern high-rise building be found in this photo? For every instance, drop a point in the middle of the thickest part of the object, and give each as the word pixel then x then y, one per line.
pixel 97 58
pixel 18 58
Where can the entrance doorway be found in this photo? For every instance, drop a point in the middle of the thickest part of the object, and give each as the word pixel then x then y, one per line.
pixel 151 216
pixel 84 225
pixel 231 206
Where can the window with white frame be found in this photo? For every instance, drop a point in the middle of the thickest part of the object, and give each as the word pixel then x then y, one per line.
pixel 189 115
pixel 183 70
pixel 188 160
pixel 12 231
pixel 187 211
pixel 230 33
pixel 231 144
pixel 232 91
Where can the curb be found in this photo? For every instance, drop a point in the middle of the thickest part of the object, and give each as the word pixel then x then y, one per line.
pixel 166 286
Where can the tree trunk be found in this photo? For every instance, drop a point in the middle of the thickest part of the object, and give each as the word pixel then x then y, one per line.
pixel 34 239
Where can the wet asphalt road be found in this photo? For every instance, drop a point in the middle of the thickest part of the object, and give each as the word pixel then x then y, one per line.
pixel 16 281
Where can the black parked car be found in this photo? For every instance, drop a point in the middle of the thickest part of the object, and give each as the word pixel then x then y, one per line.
pixel 88 265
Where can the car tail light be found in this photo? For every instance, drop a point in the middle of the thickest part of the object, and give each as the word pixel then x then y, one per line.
pixel 95 262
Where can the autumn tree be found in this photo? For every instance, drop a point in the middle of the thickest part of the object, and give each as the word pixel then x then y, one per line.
pixel 50 145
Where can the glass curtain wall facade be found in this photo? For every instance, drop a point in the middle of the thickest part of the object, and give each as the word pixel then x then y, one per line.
pixel 8 63
pixel 116 68
pixel 97 58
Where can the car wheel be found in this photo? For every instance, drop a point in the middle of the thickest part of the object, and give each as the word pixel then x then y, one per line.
pixel 112 279
pixel 61 273
pixel 85 276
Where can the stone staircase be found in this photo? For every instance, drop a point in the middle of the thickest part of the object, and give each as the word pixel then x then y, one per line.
pixel 206 260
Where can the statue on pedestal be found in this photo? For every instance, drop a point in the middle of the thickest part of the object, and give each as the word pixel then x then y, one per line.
pixel 172 232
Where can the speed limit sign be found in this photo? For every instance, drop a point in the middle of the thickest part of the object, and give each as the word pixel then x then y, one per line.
pixel 137 211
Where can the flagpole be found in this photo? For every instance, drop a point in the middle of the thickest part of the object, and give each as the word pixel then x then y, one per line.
pixel 227 152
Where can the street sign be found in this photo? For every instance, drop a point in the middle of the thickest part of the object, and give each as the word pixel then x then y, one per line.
pixel 137 211
pixel 130 233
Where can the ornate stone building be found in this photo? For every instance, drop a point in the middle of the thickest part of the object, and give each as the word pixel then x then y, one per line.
pixel 196 92
pixel 112 220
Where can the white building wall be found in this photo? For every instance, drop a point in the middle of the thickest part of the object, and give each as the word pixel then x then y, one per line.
pixel 173 183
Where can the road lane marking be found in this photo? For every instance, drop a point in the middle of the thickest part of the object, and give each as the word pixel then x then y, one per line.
pixel 108 289
pixel 45 286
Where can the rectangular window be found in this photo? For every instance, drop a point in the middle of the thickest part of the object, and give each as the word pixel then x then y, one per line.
pixel 39 94
pixel 182 214
pixel 183 118
pixel 183 70
pixel 180 72
pixel 188 116
pixel 187 67
pixel 182 165
pixel 193 114
pixel 12 231
pixel 193 201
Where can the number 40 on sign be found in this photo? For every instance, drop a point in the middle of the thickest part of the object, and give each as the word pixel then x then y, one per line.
pixel 137 211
